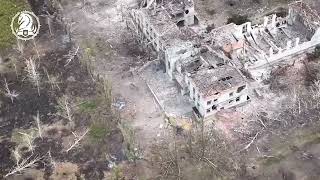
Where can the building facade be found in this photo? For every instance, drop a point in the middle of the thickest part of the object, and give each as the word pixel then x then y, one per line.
pixel 207 66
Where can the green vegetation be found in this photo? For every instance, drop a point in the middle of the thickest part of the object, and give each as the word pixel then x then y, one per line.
pixel 88 106
pixel 132 150
pixel 117 173
pixel 9 8
pixel 105 93
pixel 267 161
pixel 98 132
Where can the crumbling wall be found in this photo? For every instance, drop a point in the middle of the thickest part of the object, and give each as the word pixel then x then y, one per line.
pixel 224 100
pixel 182 50
pixel 142 25
pixel 189 13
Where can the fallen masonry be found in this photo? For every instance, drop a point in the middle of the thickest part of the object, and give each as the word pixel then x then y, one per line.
pixel 209 66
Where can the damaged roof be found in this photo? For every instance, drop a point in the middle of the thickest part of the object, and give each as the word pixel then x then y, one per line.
pixel 224 34
pixel 213 81
pixel 164 23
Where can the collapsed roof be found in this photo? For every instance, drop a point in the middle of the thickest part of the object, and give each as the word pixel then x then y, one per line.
pixel 214 81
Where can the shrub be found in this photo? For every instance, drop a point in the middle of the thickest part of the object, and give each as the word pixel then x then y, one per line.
pixel 316 52
pixel 117 173
pixel 98 132
pixel 315 55
pixel 88 106
pixel 238 19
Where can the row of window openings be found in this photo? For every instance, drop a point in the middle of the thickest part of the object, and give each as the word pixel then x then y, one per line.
pixel 214 107
pixel 230 94
pixel 147 27
pixel 209 102
pixel 215 100
pixel 194 93
pixel 152 38
pixel 147 32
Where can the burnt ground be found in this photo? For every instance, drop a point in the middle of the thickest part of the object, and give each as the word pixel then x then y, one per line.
pixel 73 80
pixel 99 29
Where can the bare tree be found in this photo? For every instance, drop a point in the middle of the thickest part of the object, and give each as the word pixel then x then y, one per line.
pixel 316 90
pixel 20 46
pixel 53 81
pixel 16 155
pixel 77 139
pixel 49 18
pixel 23 164
pixel 11 94
pixel 52 161
pixel 32 73
pixel 251 142
pixel 37 119
pixel 65 107
pixel 71 55
pixel 29 140
pixel 36 48
pixel 15 69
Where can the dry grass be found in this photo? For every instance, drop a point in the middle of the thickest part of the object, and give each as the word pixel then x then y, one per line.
pixel 67 171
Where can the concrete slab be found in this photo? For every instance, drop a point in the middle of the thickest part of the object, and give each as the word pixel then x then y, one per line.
pixel 166 92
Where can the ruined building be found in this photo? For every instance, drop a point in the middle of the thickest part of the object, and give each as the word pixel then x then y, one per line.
pixel 208 66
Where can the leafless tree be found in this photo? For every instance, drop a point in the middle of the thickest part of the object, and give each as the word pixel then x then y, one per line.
pixel 49 22
pixel 53 81
pixel 66 108
pixel 15 69
pixel 11 94
pixel 251 142
pixel 49 18
pixel 36 48
pixel 20 46
pixel 16 155
pixel 23 164
pixel 52 161
pixel 37 119
pixel 202 147
pixel 78 138
pixel 32 73
pixel 316 90
pixel 71 55
pixel 29 140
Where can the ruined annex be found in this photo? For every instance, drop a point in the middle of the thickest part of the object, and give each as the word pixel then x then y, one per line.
pixel 217 67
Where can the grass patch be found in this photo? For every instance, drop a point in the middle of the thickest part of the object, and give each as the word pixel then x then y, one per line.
pixel 88 106
pixel 8 9
pixel 98 132
pixel 268 161
pixel 117 173
pixel 282 150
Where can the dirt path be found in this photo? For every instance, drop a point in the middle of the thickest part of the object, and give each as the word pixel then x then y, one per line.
pixel 101 23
